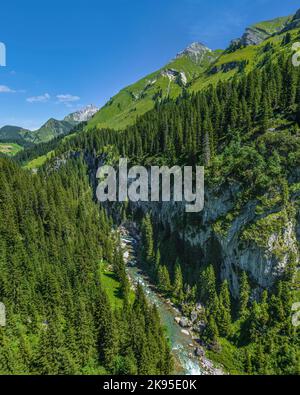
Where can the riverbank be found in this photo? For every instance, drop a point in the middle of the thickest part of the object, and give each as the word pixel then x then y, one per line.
pixel 189 354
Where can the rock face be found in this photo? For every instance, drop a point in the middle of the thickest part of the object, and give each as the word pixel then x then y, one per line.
pixel 297 15
pixel 184 323
pixel 196 51
pixel 256 34
pixel 252 36
pixel 174 75
pixel 83 115
pixel 236 246
pixel 295 22
pixel 262 244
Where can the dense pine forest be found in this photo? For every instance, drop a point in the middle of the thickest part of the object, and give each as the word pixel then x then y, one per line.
pixel 59 318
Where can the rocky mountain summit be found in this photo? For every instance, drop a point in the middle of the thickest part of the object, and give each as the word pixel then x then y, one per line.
pixel 54 128
pixel 83 115
pixel 196 51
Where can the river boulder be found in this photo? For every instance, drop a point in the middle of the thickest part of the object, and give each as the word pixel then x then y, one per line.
pixel 185 332
pixel 184 323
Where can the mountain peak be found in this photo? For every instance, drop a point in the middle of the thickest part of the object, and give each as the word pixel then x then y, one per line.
pixel 195 51
pixel 297 15
pixel 85 114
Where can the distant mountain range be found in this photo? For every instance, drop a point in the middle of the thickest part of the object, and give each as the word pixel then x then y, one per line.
pixel 51 129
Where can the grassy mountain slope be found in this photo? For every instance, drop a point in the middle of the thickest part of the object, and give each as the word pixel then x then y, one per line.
pixel 247 58
pixel 273 26
pixel 134 100
pixel 10 149
pixel 51 129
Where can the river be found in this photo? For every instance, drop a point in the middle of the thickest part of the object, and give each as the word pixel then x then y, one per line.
pixel 182 343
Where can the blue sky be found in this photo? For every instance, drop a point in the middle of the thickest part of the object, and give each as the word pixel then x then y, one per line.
pixel 62 55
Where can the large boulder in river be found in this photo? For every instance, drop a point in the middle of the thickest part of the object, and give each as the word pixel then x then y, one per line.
pixel 184 322
pixel 185 332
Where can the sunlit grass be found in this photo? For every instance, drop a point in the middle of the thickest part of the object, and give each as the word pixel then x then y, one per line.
pixel 10 149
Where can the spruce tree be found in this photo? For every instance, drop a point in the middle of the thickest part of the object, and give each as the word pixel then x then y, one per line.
pixel 178 282
pixel 148 243
pixel 244 295
pixel 164 283
pixel 224 313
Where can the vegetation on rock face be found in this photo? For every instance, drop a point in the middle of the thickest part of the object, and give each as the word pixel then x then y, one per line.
pixel 245 335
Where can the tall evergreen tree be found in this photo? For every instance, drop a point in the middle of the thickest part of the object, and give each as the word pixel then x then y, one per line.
pixel 244 295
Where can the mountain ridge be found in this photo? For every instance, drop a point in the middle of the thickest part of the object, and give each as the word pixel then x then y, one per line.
pixel 167 82
pixel 49 130
pixel 192 69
